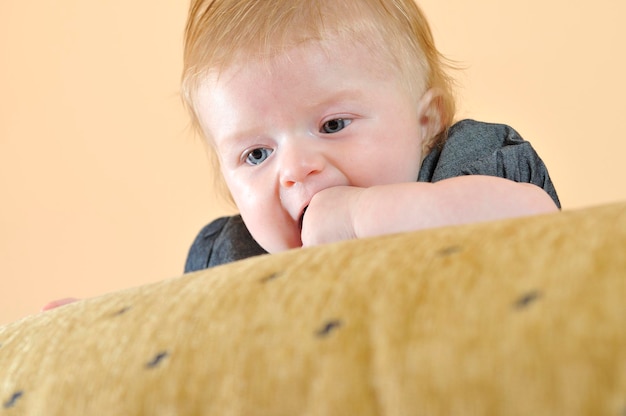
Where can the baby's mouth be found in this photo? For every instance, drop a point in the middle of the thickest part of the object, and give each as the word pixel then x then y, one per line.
pixel 302 217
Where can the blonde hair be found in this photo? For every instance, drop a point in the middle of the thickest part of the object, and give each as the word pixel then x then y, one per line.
pixel 222 32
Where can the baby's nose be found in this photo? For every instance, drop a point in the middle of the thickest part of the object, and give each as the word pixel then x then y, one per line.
pixel 299 163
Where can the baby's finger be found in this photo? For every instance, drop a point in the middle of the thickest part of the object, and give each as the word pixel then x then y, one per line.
pixel 57 303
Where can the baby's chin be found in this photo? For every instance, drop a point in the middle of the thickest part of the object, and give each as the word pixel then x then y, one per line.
pixel 279 243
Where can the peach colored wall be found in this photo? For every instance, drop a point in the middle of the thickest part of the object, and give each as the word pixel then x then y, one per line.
pixel 102 186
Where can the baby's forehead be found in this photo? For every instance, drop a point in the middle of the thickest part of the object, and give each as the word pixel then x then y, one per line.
pixel 325 61
pixel 374 56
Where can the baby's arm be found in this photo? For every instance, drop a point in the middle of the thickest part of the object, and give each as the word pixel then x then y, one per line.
pixel 347 212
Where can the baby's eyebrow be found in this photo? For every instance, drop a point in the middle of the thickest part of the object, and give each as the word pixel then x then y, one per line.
pixel 342 96
pixel 234 139
pixel 237 139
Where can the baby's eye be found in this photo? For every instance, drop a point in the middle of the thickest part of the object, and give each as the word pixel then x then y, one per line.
pixel 258 156
pixel 335 125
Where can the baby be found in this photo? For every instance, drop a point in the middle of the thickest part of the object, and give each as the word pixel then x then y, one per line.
pixel 333 120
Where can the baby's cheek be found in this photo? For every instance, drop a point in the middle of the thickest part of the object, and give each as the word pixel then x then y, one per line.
pixel 272 230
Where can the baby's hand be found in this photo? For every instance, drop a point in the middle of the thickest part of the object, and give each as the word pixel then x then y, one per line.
pixel 331 216
pixel 57 303
pixel 343 212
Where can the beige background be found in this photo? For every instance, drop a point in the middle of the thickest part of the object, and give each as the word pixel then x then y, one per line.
pixel 103 187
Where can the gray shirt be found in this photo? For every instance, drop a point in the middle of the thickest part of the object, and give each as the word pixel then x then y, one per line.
pixel 472 148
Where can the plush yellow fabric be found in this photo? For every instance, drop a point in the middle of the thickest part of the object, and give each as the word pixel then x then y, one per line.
pixel 524 316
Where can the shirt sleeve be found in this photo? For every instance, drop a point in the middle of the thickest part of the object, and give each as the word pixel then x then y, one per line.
pixel 475 148
pixel 224 240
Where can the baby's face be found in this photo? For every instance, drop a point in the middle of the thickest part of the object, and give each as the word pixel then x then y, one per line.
pixel 306 121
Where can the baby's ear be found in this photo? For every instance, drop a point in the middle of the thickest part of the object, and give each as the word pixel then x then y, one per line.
pixel 430 115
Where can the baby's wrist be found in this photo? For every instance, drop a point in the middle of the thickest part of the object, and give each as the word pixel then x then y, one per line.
pixel 363 213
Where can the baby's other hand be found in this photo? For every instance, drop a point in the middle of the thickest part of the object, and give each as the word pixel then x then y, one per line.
pixel 57 303
pixel 330 216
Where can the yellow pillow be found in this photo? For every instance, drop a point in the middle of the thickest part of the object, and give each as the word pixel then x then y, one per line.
pixel 524 316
